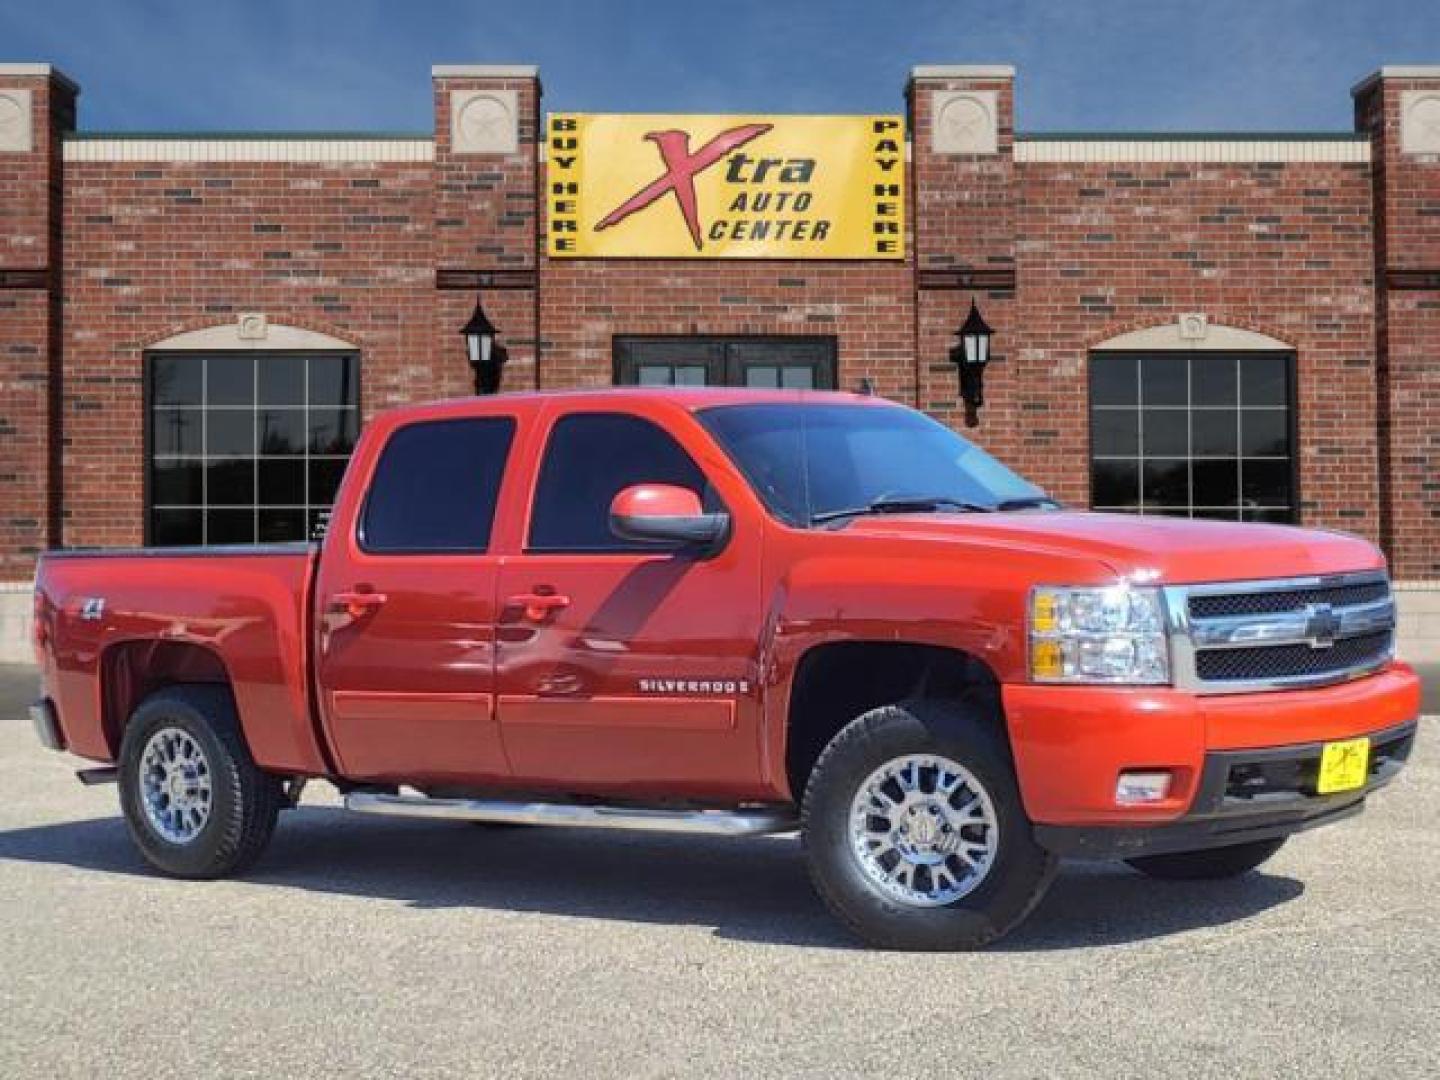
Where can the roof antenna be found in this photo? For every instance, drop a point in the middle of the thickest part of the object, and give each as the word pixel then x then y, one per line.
pixel 866 387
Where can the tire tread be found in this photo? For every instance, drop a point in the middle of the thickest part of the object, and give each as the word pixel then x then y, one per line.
pixel 859 738
pixel 257 796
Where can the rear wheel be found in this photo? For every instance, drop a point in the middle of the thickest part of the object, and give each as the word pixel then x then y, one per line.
pixel 195 802
pixel 1209 863
pixel 914 831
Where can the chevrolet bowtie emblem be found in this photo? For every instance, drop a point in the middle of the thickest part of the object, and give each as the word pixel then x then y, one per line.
pixel 1322 627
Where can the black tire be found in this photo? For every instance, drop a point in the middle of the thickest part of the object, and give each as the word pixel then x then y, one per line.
pixel 1018 876
pixel 244 801
pixel 1209 863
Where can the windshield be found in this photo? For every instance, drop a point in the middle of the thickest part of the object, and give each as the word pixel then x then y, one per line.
pixel 809 462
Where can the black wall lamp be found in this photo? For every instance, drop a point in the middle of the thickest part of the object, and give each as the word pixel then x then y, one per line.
pixel 971 355
pixel 486 355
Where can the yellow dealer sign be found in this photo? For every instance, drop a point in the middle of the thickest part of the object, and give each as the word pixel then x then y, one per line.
pixel 729 187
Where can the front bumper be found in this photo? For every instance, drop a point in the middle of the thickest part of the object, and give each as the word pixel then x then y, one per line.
pixel 1071 743
pixel 1243 796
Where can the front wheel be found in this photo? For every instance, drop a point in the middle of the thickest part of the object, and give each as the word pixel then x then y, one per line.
pixel 1209 863
pixel 196 804
pixel 914 831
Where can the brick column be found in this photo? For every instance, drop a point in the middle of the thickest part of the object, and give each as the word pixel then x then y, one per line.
pixel 37 105
pixel 963 206
pixel 486 206
pixel 1400 108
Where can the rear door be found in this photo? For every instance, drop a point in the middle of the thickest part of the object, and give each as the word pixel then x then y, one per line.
pixel 406 606
pixel 621 667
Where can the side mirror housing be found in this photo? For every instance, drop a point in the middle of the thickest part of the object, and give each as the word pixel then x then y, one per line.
pixel 666 514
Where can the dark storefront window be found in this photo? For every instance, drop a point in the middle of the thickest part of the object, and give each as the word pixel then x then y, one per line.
pixel 1206 435
pixel 246 448
pixel 789 363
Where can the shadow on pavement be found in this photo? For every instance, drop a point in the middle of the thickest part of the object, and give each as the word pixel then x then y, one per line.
pixel 1430 690
pixel 748 890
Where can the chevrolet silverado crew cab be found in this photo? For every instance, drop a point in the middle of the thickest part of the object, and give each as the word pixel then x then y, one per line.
pixel 740 612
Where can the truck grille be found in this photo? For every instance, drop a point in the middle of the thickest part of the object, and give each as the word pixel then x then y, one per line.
pixel 1272 635
pixel 1289 661
pixel 1271 603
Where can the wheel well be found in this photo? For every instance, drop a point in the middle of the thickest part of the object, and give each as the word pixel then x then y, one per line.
pixel 836 683
pixel 132 671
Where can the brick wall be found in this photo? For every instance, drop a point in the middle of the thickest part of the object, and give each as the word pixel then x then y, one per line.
pixel 486 223
pixel 30 258
pixel 1101 248
pixel 1283 249
pixel 1061 255
pixel 1407 257
pixel 157 248
pixel 965 233
pixel 866 306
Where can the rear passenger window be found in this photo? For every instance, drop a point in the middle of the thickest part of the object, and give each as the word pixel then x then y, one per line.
pixel 591 458
pixel 436 485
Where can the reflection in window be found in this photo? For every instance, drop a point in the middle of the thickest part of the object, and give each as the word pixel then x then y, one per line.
pixel 247 448
pixel 671 375
pixel 1194 434
pixel 436 486
pixel 589 459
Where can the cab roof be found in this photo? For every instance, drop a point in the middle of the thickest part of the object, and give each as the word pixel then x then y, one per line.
pixel 690 398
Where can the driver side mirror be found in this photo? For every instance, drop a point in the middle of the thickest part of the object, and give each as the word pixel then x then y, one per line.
pixel 666 514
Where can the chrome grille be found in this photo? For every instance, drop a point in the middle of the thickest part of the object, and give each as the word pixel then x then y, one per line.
pixel 1288 661
pixel 1272 603
pixel 1272 635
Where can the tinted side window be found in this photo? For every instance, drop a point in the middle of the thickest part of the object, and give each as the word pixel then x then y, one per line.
pixel 590 458
pixel 436 485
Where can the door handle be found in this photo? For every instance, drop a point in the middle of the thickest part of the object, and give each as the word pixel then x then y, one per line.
pixel 356 604
pixel 536 606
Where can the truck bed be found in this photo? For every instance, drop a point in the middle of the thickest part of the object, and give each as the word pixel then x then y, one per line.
pixel 238 614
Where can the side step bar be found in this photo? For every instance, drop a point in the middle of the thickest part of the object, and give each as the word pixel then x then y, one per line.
pixel 755 822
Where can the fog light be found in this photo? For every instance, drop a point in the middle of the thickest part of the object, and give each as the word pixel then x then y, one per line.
pixel 1142 787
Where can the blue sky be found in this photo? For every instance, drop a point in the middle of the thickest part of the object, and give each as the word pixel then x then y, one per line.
pixel 364 64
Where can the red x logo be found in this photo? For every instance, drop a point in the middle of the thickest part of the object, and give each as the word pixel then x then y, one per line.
pixel 681 168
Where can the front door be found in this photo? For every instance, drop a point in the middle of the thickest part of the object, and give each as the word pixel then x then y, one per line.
pixel 789 363
pixel 621 667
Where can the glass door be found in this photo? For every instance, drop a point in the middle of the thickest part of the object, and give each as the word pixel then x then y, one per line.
pixel 790 363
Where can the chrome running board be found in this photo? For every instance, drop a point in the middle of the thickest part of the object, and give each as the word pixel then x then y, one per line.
pixel 753 822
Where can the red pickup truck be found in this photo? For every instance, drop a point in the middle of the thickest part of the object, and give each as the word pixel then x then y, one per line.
pixel 737 612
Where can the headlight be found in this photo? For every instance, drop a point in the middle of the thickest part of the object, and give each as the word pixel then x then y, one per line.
pixel 1113 635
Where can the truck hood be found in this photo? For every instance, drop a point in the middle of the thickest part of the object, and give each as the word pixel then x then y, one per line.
pixel 1170 550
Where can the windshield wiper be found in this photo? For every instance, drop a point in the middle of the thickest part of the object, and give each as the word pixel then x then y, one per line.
pixel 901 504
pixel 1029 502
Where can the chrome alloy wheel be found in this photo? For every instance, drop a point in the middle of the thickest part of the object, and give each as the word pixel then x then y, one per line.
pixel 175 785
pixel 924 830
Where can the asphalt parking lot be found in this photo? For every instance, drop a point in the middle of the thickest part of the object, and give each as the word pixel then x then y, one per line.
pixel 367 947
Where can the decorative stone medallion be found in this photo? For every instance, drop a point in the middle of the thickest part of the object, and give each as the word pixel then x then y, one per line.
pixel 965 122
pixel 1420 121
pixel 16 135
pixel 1194 326
pixel 252 326
pixel 484 122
